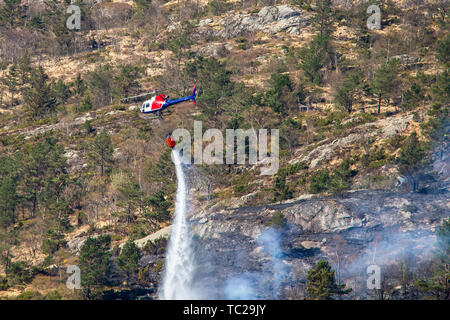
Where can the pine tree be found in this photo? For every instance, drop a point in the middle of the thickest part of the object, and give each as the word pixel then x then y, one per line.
pixel 341 178
pixel 11 81
pixel 321 283
pixel 441 88
pixel 61 91
pixel 280 84
pixel 411 158
pixel 314 58
pixel 163 169
pixel 320 181
pixel 281 190
pixel 11 13
pixel 86 103
pixel 8 201
pixel 52 241
pixel 24 68
pixel 443 51
pixel 130 199
pixel 40 99
pixel 101 85
pixel 438 285
pixel 128 260
pixel 7 241
pixel 127 79
pixel 324 17
pixel 94 262
pixel 348 91
pixel 143 4
pixel 384 84
pixel 160 206
pixel 214 79
pixel 180 40
pixel 79 86
pixel 101 151
pixel 64 36
pixel 2 91
pixel 43 168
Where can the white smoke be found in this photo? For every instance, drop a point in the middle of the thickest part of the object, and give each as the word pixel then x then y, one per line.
pixel 271 244
pixel 267 283
pixel 392 248
pixel 179 267
pixel 241 287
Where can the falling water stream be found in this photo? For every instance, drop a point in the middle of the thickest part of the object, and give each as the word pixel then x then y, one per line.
pixel 179 267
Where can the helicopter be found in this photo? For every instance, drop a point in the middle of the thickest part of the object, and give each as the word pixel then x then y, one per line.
pixel 157 104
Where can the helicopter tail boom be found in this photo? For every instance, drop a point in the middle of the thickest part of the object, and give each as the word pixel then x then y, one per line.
pixel 178 100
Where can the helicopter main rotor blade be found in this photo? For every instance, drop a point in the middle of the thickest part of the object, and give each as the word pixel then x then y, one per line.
pixel 140 95
pixel 146 94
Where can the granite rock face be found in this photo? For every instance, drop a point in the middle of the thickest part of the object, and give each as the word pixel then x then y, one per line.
pixel 271 20
pixel 362 227
pixel 364 221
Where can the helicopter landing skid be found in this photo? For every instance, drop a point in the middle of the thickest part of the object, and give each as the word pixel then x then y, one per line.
pixel 151 116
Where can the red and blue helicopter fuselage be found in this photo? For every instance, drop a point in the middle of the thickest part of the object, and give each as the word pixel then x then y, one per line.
pixel 161 102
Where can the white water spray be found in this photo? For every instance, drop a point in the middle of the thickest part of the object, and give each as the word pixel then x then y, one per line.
pixel 179 266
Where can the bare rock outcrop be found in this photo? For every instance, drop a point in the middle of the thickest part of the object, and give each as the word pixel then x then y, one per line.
pixel 390 224
pixel 111 14
pixel 214 50
pixel 271 20
pixel 327 148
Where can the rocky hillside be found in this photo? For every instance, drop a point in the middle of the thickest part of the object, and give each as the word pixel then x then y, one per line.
pixel 362 116
pixel 353 231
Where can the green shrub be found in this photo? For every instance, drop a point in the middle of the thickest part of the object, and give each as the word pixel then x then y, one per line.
pixel 54 295
pixel 342 176
pixel 396 142
pixel 338 181
pixel 333 118
pixel 293 168
pixel 3 283
pixel 120 107
pixel 282 191
pixel 243 46
pixel 155 247
pixel 278 220
pixel 240 188
pixel 143 275
pixel 88 126
pixel 242 183
pixel 29 295
pixel 52 242
pixel 217 7
pixel 19 272
pixel 377 163
pixel 12 140
pixel 158 267
pixel 128 260
pixel 160 206
pixel 86 104
pixel 375 158
pixel 320 181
